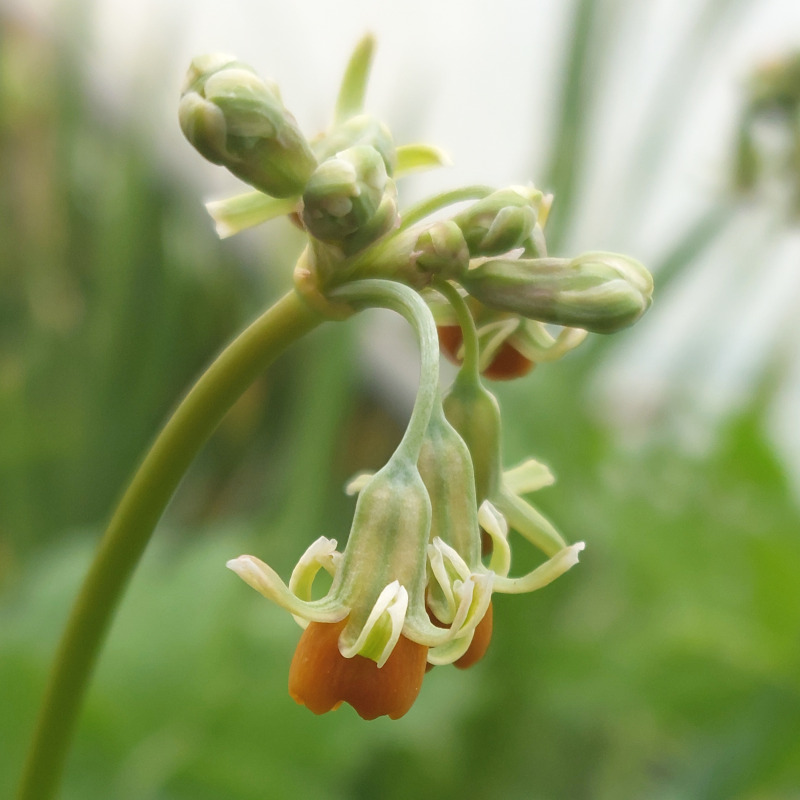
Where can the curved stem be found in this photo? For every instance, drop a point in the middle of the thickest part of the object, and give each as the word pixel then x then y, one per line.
pixel 404 300
pixel 469 333
pixel 423 209
pixel 133 523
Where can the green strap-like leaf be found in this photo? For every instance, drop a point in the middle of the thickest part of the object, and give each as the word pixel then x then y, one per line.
pixel 354 83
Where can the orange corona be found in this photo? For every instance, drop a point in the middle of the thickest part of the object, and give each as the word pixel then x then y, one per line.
pixel 321 678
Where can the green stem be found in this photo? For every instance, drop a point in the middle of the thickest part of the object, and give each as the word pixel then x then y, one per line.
pixel 426 207
pixel 398 297
pixel 470 364
pixel 133 523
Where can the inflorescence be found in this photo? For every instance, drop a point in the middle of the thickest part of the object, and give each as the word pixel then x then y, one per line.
pixel 429 544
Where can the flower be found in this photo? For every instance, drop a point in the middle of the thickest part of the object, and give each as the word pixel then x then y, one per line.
pixel 457 526
pixel 509 345
pixel 410 588
pixel 506 361
pixel 367 640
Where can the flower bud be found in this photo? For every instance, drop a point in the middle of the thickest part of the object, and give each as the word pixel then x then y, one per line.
pixel 362 129
pixel 344 194
pixel 500 222
pixel 600 292
pixel 441 250
pixel 236 119
pixel 383 220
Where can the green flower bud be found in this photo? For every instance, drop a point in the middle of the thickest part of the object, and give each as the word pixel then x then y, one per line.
pixel 441 250
pixel 383 220
pixel 344 194
pixel 236 119
pixel 502 221
pixel 363 129
pixel 600 292
pixel 474 413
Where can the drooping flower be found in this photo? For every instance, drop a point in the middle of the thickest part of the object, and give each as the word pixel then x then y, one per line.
pixel 367 639
pixel 510 346
pixel 458 524
pixel 378 595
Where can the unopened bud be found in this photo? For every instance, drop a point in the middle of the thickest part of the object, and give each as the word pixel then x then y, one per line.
pixel 502 221
pixel 236 119
pixel 600 292
pixel 344 194
pixel 441 250
pixel 383 220
pixel 362 129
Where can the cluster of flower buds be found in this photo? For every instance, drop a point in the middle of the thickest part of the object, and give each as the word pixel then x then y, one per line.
pixel 429 543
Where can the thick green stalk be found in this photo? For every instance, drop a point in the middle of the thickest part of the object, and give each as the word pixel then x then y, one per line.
pixel 133 523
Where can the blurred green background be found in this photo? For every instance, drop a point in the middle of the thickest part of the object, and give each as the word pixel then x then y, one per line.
pixel 666 666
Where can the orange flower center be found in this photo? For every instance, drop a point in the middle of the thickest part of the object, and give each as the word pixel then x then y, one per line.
pixel 480 641
pixel 321 678
pixel 479 644
pixel 507 363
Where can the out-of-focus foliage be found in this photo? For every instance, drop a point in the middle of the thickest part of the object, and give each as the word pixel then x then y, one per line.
pixel 115 292
pixel 666 666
